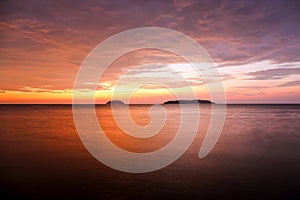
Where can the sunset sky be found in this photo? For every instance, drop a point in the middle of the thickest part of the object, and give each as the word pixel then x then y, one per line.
pixel 255 44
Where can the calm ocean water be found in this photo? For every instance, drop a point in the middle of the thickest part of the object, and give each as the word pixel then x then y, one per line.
pixel 256 157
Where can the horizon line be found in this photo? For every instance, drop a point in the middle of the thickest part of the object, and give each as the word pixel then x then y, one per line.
pixel 149 104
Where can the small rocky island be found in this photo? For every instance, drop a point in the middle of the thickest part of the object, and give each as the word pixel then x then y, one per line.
pixel 115 102
pixel 195 101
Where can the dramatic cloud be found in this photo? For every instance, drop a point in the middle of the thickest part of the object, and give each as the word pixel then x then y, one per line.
pixel 43 42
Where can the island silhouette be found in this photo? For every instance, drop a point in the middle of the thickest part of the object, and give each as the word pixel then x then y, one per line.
pixel 195 101
pixel 118 102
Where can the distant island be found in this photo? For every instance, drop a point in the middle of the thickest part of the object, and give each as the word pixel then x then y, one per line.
pixel 114 102
pixel 195 101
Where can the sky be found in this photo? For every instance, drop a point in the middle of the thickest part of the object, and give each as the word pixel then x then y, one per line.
pixel 255 46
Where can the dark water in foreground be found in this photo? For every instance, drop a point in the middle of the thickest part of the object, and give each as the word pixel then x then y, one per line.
pixel 256 157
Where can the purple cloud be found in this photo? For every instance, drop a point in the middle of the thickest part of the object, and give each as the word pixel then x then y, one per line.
pixel 290 83
pixel 273 73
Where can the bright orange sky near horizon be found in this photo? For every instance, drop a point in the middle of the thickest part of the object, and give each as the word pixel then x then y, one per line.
pixel 255 45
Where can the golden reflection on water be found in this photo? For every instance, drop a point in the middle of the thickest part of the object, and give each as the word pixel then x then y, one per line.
pixel 140 116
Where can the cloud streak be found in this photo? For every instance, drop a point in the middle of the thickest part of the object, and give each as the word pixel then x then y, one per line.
pixel 271 74
pixel 290 83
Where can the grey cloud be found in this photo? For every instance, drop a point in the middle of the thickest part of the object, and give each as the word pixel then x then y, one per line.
pixel 254 94
pixel 290 83
pixel 251 87
pixel 273 73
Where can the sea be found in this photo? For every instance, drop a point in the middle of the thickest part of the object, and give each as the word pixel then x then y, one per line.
pixel 257 155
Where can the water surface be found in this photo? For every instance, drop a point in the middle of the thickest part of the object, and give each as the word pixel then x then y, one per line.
pixel 256 157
